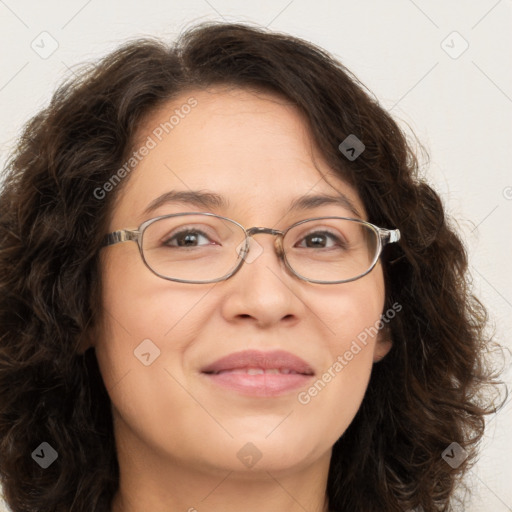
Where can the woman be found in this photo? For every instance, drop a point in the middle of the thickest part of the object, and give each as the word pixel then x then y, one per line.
pixel 159 354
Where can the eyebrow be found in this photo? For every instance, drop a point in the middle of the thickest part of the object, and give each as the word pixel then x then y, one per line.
pixel 213 201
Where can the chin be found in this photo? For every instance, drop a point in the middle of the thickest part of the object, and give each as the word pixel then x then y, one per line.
pixel 273 452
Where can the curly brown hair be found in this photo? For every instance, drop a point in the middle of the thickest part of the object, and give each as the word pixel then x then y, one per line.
pixel 430 390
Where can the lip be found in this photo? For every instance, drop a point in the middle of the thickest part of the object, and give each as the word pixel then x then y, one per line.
pixel 231 372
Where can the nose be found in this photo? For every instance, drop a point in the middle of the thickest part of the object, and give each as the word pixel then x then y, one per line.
pixel 260 290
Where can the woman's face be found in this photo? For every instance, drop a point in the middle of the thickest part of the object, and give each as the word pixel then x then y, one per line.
pixel 254 150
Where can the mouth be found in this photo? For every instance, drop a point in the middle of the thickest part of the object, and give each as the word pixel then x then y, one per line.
pixel 256 373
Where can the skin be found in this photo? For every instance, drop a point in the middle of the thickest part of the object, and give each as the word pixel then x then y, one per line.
pixel 177 435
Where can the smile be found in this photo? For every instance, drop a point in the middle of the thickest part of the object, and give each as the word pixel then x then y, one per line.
pixel 255 373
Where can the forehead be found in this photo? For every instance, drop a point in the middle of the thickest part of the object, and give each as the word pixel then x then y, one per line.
pixel 251 147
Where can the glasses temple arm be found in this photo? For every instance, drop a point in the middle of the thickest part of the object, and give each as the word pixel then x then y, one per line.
pixel 120 236
pixel 389 236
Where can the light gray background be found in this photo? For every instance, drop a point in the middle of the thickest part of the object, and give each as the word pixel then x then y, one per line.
pixel 460 108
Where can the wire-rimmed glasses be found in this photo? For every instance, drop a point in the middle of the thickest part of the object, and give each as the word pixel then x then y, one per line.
pixel 199 247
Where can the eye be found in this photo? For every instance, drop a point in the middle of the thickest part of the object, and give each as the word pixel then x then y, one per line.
pixel 186 238
pixel 320 239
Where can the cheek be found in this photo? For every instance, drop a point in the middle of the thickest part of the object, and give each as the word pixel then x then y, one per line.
pixel 352 316
pixel 139 353
pixel 132 323
pixel 147 324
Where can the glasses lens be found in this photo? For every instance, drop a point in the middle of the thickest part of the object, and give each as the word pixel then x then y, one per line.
pixel 192 247
pixel 331 249
pixel 201 247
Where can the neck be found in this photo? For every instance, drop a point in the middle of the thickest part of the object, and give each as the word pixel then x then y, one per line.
pixel 223 494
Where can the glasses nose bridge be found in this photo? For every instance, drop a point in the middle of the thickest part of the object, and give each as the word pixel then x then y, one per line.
pixel 278 240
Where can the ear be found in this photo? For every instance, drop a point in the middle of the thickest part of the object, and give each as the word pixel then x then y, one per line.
pixel 383 344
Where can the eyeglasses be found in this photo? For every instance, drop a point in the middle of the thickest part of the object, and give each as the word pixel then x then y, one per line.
pixel 202 247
